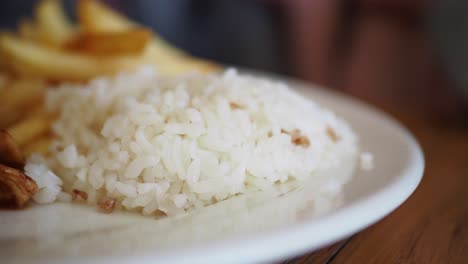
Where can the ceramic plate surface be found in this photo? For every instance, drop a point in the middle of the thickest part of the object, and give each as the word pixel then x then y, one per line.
pixel 243 230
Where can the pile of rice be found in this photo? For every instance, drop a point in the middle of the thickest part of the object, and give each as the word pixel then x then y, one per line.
pixel 158 144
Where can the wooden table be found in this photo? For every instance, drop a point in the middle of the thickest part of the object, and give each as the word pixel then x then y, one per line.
pixel 390 65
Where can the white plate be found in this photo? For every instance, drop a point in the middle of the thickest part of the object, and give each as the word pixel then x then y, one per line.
pixel 249 229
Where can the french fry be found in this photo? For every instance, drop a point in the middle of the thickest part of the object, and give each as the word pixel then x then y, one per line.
pixel 54 27
pixel 4 64
pixel 172 64
pixel 39 145
pixel 28 30
pixel 130 42
pixel 30 128
pixel 10 154
pixel 95 17
pixel 31 59
pixel 18 97
pixel 4 78
pixel 21 92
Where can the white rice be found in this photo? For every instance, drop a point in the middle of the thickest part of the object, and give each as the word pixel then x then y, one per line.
pixel 366 161
pixel 171 144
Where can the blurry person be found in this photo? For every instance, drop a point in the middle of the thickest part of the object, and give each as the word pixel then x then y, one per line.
pixel 386 51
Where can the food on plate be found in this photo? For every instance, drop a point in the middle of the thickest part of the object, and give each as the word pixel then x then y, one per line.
pixel 106 204
pixel 109 114
pixel 102 43
pixel 151 143
pixel 10 155
pixel 131 42
pixel 38 145
pixel 366 161
pixel 16 188
pixel 35 60
pixel 18 97
pixel 30 128
pixel 28 30
pixel 49 49
pixel 95 17
pixel 53 25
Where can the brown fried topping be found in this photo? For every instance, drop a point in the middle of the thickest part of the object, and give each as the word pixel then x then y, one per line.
pixel 81 194
pixel 297 138
pixel 16 188
pixel 235 105
pixel 10 155
pixel 332 134
pixel 106 204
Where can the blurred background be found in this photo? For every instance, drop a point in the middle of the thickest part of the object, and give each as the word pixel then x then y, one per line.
pixel 407 56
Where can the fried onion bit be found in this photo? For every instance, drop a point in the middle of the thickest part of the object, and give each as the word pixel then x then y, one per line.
pixel 16 188
pixel 297 138
pixel 235 105
pixel 79 194
pixel 106 204
pixel 332 134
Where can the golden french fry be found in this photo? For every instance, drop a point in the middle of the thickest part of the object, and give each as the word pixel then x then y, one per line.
pixel 4 64
pixel 130 42
pixel 171 64
pixel 39 145
pixel 10 154
pixel 36 125
pixel 19 96
pixel 28 30
pixel 95 17
pixel 31 59
pixel 4 78
pixel 18 114
pixel 54 27
pixel 21 92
